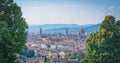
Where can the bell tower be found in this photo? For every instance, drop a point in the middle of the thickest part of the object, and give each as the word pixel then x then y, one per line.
pixel 40 32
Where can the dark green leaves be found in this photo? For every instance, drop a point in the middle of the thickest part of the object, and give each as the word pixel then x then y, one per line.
pixel 104 45
pixel 12 31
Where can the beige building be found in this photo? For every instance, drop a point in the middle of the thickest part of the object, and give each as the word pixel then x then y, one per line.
pixel 53 46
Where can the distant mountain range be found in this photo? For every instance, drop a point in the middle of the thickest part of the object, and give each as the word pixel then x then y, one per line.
pixel 56 28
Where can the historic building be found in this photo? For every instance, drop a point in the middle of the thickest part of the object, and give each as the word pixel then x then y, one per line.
pixel 81 32
pixel 40 32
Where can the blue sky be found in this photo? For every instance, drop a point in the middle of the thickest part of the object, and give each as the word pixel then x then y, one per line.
pixel 37 12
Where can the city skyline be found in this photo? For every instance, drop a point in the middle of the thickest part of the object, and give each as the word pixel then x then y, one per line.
pixel 80 12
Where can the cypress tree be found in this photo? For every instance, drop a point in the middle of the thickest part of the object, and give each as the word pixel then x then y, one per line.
pixel 104 45
pixel 12 31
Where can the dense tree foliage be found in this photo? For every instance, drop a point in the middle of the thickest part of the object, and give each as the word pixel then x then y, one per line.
pixel 76 56
pixel 104 45
pixel 12 31
pixel 72 56
pixel 28 53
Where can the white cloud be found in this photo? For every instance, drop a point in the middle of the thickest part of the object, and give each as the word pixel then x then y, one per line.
pixel 111 10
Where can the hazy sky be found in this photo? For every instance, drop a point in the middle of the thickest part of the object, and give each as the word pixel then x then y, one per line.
pixel 38 12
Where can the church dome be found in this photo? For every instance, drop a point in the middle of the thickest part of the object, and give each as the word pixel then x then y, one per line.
pixel 81 31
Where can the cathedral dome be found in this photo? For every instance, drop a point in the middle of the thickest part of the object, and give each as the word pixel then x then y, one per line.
pixel 81 32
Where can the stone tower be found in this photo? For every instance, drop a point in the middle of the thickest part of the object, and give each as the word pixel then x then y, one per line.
pixel 59 35
pixel 40 32
pixel 67 35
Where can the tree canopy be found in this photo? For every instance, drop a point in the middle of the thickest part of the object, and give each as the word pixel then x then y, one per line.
pixel 12 31
pixel 104 45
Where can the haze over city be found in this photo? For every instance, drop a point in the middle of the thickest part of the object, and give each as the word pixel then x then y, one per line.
pixel 59 31
pixel 37 12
